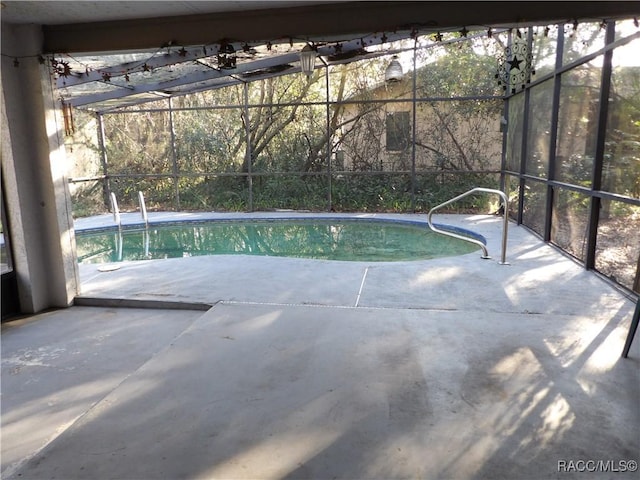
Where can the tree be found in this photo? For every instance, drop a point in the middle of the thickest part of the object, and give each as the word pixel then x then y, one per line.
pixel 208 143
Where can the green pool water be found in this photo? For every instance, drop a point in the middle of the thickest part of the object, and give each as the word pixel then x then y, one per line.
pixel 371 241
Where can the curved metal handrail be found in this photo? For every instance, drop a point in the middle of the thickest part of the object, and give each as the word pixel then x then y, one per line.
pixel 505 225
pixel 115 209
pixel 143 209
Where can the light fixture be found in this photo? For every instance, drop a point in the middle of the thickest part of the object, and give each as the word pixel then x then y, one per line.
pixel 394 71
pixel 307 60
pixel 226 56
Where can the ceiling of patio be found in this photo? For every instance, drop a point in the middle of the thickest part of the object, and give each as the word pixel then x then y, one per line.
pixel 111 54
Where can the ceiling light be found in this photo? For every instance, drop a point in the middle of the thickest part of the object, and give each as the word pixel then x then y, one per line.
pixel 394 71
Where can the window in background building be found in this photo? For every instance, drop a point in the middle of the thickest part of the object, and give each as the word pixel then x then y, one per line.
pixel 398 131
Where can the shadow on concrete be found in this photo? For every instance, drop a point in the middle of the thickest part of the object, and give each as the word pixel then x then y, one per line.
pixel 267 391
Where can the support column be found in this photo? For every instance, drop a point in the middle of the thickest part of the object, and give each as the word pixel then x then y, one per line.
pixel 104 162
pixel 329 136
pixel 248 153
pixel 596 175
pixel 553 141
pixel 174 158
pixel 414 126
pixel 38 202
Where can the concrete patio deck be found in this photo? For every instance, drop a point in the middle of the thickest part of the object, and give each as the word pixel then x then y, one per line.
pixel 451 368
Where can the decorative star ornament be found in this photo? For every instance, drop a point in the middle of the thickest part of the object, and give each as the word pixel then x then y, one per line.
pixel 514 63
pixel 515 66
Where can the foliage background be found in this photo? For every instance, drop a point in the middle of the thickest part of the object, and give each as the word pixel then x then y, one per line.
pixel 291 149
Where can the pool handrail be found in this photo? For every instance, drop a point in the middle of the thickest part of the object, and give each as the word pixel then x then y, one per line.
pixel 143 209
pixel 505 205
pixel 116 210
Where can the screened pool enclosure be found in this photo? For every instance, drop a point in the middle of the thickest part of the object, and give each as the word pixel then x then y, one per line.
pixel 394 122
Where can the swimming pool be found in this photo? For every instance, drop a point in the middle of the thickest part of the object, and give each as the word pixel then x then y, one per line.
pixel 322 238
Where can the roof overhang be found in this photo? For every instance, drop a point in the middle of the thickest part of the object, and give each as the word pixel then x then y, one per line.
pixel 338 20
pixel 105 65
